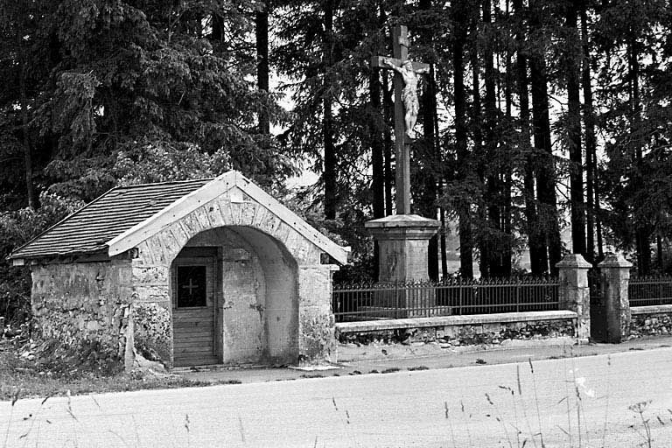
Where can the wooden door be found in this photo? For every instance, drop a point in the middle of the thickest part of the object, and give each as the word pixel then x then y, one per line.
pixel 194 294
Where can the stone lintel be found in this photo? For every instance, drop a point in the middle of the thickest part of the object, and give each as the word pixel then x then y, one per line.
pixel 575 261
pixel 612 260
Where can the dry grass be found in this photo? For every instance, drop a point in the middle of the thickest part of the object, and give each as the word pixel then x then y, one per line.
pixel 29 380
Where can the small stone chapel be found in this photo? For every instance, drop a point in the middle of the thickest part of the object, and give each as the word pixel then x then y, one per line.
pixel 187 273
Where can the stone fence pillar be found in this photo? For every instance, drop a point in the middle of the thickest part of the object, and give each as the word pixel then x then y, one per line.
pixel 615 276
pixel 575 292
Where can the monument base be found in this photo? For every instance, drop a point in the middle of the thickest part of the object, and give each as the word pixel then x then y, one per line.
pixel 403 242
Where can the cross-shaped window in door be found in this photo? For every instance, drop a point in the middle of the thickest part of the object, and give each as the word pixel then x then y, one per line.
pixel 191 286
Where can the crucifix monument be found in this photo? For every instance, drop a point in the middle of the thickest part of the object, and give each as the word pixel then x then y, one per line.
pixel 403 238
pixel 406 107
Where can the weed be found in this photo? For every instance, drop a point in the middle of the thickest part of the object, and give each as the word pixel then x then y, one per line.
pixel 536 400
pixel 499 420
pixel 639 409
pixel 36 382
pixel 187 426
pixel 413 369
pixel 241 428
pixel 606 406
pixel 450 424
pixel 15 398
pixel 390 370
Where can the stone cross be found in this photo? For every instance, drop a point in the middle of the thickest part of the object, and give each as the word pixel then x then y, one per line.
pixel 401 141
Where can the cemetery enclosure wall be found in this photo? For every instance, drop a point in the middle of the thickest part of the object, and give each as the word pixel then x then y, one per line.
pixel 651 320
pixel 490 329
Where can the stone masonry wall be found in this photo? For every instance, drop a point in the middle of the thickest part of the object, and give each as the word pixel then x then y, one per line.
pixel 316 324
pixel 163 247
pixel 474 334
pixel 152 329
pixel 74 302
pixel 651 324
pixel 316 321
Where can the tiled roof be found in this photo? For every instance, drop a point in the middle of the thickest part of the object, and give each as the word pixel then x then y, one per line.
pixel 90 228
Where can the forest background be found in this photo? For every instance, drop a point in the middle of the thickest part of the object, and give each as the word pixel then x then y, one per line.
pixel 536 116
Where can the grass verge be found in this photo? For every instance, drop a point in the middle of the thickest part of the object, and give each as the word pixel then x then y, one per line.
pixel 28 379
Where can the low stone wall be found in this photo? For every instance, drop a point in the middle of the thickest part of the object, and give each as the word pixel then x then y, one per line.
pixel 77 302
pixel 488 329
pixel 651 320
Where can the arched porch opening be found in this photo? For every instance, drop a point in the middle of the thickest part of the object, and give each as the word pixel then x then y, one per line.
pixel 234 299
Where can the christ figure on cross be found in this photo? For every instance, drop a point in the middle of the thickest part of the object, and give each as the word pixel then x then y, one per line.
pixel 409 95
pixel 405 110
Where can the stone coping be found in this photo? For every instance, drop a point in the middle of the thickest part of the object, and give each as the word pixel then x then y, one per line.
pixel 402 221
pixel 445 321
pixel 651 309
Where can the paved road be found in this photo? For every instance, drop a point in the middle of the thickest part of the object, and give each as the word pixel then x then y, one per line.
pixel 578 402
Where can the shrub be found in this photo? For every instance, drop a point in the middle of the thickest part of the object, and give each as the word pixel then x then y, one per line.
pixel 17 228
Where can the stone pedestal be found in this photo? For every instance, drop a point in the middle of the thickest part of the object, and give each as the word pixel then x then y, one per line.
pixel 403 242
pixel 615 275
pixel 575 292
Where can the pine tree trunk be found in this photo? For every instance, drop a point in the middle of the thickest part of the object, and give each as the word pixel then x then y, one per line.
pixel 388 114
pixel 261 30
pixel 547 211
pixel 377 149
pixel 377 159
pixel 591 141
pixel 507 201
pixel 642 229
pixel 329 176
pixel 574 132
pixel 534 235
pixel 494 192
pixel 464 171
pixel 388 110
pixel 484 243
pixel 428 195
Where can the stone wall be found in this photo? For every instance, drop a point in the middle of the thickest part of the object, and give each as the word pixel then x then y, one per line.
pixel 151 311
pixel 316 321
pixel 493 329
pixel 651 321
pixel 76 302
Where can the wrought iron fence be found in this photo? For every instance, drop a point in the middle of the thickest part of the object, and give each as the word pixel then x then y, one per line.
pixel 644 291
pixel 352 302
